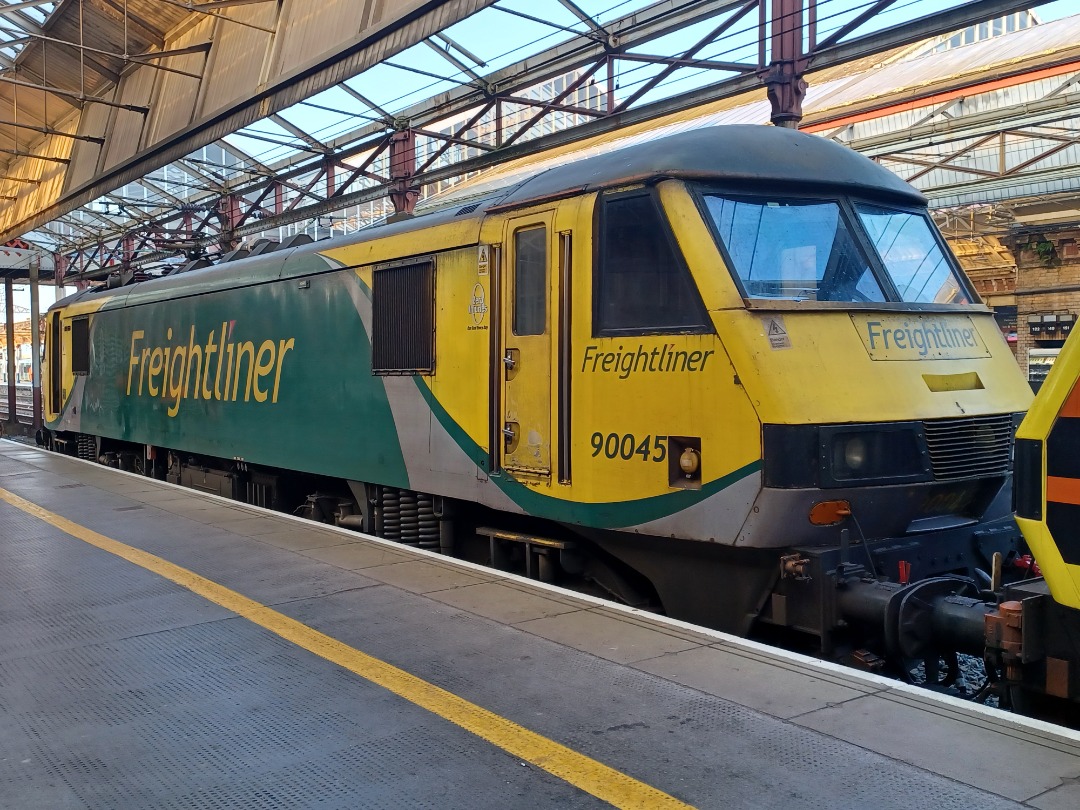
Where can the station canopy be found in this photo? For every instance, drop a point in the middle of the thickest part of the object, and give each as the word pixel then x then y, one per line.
pixel 484 84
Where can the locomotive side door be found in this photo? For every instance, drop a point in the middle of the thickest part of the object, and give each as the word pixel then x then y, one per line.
pixel 526 359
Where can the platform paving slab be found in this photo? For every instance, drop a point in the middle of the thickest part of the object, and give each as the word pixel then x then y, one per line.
pixel 424 576
pixel 505 602
pixel 1003 763
pixel 139 693
pixel 354 555
pixel 601 634
pixel 292 539
pixel 1065 797
pixel 761 685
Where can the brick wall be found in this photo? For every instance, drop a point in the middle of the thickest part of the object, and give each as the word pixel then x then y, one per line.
pixel 1047 280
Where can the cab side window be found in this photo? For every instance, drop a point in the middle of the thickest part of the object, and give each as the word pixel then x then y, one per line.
pixel 641 284
pixel 80 345
pixel 530 281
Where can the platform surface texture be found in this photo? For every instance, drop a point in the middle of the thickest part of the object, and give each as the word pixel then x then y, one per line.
pixel 162 648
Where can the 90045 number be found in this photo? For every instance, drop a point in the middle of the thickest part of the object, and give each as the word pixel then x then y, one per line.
pixel 626 446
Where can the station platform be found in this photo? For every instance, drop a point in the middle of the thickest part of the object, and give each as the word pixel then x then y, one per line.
pixel 164 648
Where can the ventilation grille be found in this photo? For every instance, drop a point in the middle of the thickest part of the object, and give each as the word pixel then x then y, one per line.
pixel 976 446
pixel 468 209
pixel 403 328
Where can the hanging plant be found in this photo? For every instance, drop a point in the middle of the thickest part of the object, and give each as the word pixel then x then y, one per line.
pixel 1044 249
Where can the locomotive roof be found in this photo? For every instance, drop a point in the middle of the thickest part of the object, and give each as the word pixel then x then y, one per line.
pixel 736 154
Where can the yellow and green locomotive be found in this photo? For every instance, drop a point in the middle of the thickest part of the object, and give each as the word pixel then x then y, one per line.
pixel 706 372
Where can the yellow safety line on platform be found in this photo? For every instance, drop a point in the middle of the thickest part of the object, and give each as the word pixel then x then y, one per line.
pixel 593 777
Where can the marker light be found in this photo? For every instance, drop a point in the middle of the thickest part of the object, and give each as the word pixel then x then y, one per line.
pixel 689 461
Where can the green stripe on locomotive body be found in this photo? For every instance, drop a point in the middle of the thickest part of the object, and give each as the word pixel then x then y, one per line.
pixel 608 515
pixel 303 352
pixel 296 390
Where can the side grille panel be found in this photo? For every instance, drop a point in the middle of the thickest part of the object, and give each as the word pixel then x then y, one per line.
pixel 403 319
pixel 970 447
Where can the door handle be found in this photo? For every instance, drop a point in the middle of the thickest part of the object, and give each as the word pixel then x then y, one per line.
pixel 510 359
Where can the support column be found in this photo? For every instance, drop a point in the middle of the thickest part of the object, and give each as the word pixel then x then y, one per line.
pixel 786 87
pixel 35 341
pixel 9 306
pixel 403 193
pixel 229 214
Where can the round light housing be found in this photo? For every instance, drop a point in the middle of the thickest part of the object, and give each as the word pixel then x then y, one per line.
pixel 689 461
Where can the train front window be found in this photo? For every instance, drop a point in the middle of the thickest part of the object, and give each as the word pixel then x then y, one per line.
pixel 793 249
pixel 912 256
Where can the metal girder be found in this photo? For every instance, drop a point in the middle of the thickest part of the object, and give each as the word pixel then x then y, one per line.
pixel 78 97
pixel 1033 113
pixel 11 8
pixel 54 132
pixel 584 51
pixel 146 59
pixel 425 18
pixel 1003 189
pixel 209 12
pixel 31 155
pixel 453 60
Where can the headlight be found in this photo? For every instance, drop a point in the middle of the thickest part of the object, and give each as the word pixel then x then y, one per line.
pixel 880 454
pixel 855 452
pixel 806 456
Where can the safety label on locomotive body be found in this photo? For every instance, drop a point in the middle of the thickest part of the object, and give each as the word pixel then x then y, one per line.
pixel 919 337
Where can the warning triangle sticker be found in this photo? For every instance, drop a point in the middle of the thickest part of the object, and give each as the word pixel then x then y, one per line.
pixel 776 333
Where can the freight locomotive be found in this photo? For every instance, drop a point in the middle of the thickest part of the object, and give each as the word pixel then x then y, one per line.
pixel 733 374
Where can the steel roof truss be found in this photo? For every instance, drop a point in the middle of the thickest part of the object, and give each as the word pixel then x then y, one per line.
pixel 147 184
pixel 856 23
pixel 585 18
pixel 450 140
pixel 673 65
pixel 345 113
pixel 386 117
pixel 142 59
pixel 187 166
pixel 195 7
pixel 277 141
pixel 54 132
pixel 946 162
pixel 591 34
pixel 10 8
pixel 479 84
pixel 547 106
pixel 362 170
pixel 78 97
pixel 476 60
pixel 453 60
pixel 47 158
pixel 299 133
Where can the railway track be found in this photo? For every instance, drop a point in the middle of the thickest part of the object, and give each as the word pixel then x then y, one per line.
pixel 24 402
